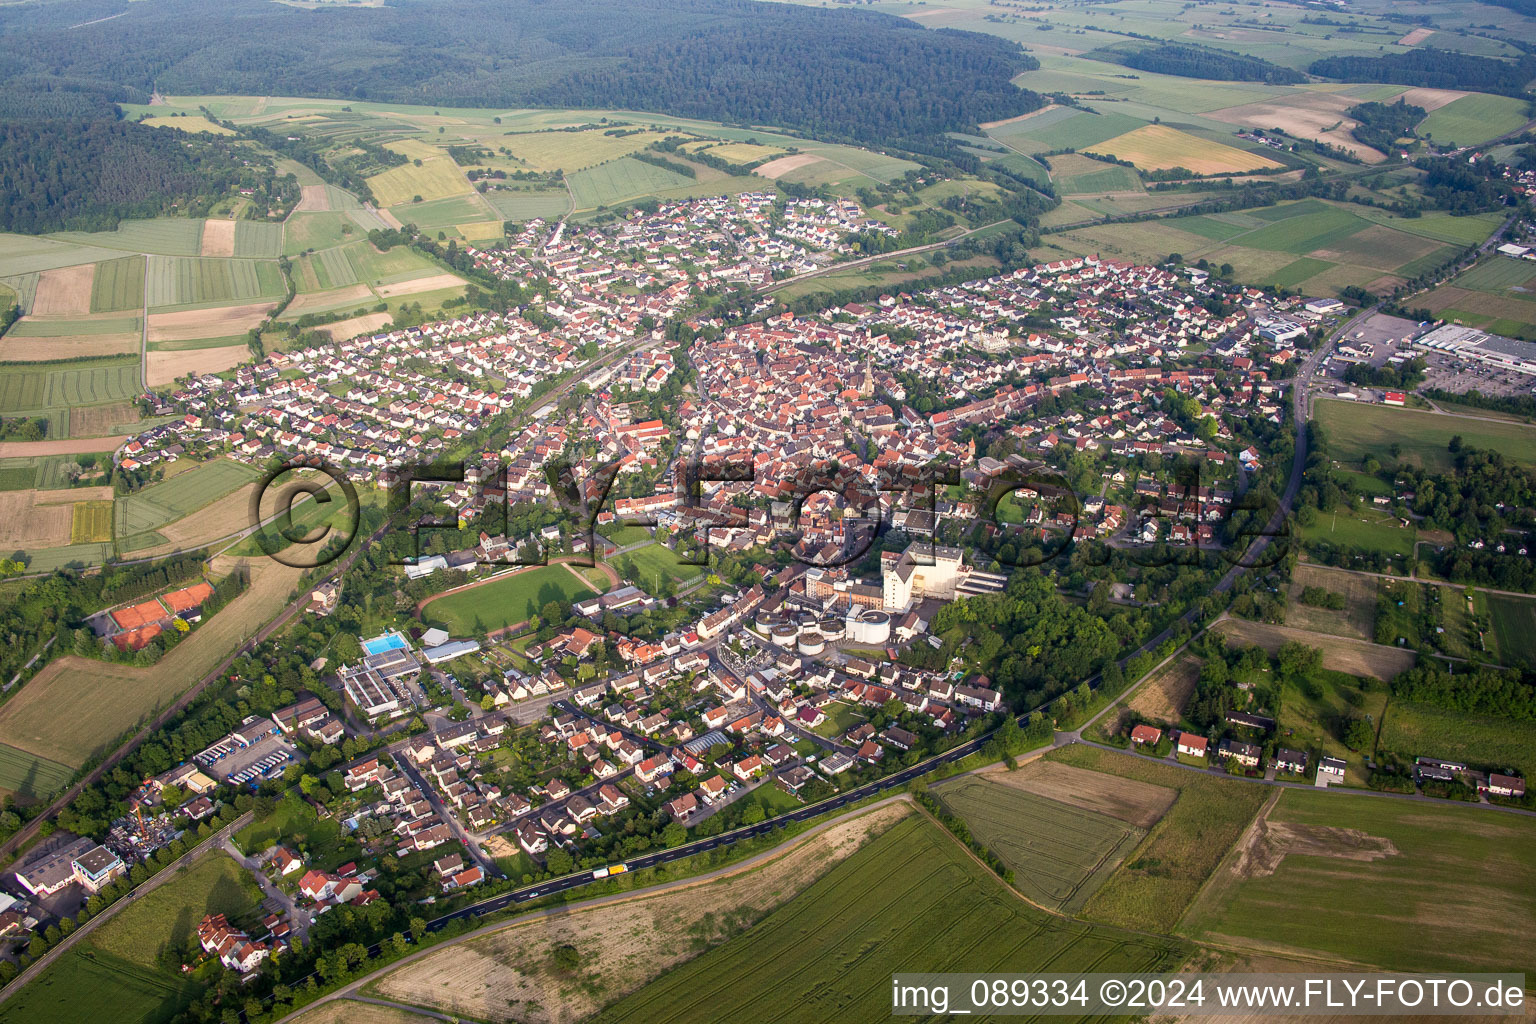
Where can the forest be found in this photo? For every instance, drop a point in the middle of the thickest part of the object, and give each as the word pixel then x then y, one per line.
pixel 1203 62
pixel 849 74
pixel 1382 124
pixel 1436 69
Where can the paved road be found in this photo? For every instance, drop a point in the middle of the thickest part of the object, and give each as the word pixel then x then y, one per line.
pixel 773 286
pixel 299 919
pixel 166 874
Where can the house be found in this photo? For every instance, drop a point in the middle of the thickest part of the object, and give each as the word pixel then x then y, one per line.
pixel 1245 754
pixel 792 780
pixel 713 788
pixel 1331 766
pixel 1293 761
pixel 683 808
pixel 1243 718
pixel 1191 745
pixel 1146 735
pixel 1505 785
pixel 232 946
pixel 285 861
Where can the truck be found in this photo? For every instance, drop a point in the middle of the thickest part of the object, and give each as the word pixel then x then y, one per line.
pixel 612 869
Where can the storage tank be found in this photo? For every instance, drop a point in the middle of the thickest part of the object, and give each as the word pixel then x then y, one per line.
pixel 784 636
pixel 831 627
pixel 765 621
pixel 870 627
pixel 807 624
pixel 811 644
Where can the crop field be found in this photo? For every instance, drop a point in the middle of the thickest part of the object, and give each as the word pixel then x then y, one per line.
pixel 1357 619
pixel 348 1011
pixel 30 777
pixel 88 985
pixel 1301 227
pixel 1164 874
pixel 261 239
pixel 1514 627
pixel 201 324
pixel 43 341
pixel 1497 314
pixel 1356 430
pixel 186 281
pixel 40 386
pixel 1060 854
pixel 828 952
pixel 164 236
pixel 441 213
pixel 1157 147
pixel 118 285
pixel 317 231
pixel 520 206
pixel 92 522
pixel 1423 729
pixel 506 601
pixel 164 502
pixel 169 915
pixel 437 178
pixel 1064 128
pixel 1361 877
pixel 574 151
pixel 619 180
pixel 1078 175
pixel 1473 119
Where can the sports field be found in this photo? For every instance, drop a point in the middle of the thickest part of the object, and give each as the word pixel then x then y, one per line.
pixel 829 951
pixel 1151 890
pixel 1356 429
pixel 1365 528
pixel 621 179
pixel 1362 877
pixel 505 602
pixel 30 777
pixel 169 915
pixel 1060 854
pixel 657 560
pixel 1157 147
pixel 1414 730
pixel 164 502
pixel 36 387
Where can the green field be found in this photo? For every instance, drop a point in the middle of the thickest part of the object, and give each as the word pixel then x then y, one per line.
pixel 1301 227
pixel 1415 730
pixel 657 560
pixel 260 239
pixel 169 500
pixel 433 178
pixel 1473 119
pixel 911 899
pixel 165 236
pixel 176 281
pixel 30 777
pixel 1367 529
pixel 1356 430
pixel 85 985
pixel 1060 854
pixel 1468 873
pixel 442 212
pixel 521 206
pixel 619 180
pixel 1497 274
pixel 118 285
pixel 169 915
pixel 66 328
pixel 505 602
pixel 1163 875
pixel 1064 128
pixel 35 387
pixel 1514 628
pixel 1110 179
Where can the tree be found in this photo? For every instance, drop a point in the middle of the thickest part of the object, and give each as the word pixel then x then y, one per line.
pixel 567 958
pixel 558 861
pixel 753 814
pixel 1358 734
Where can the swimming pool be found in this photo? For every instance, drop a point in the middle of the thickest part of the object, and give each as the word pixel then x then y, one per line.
pixel 388 642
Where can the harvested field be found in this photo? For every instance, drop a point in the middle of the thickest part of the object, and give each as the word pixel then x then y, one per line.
pixel 218 237
pixel 1130 800
pixel 357 294
pixel 508 976
pixel 784 164
pixel 1358 617
pixel 26 524
pixel 1430 99
pixel 69 446
pixel 1342 654
pixel 229 514
pixel 1415 37
pixel 1162 698
pixel 1310 116
pixel 165 367
pixel 421 284
pixel 346 1011
pixel 987 126
pixel 92 522
pixel 67 346
pixel 314 199
pixel 1157 147
pixel 344 330
pixel 99 421
pixel 63 292
pixel 1268 843
pixel 219 322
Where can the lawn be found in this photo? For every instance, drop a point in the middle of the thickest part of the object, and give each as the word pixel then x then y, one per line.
pixel 1363 528
pixel 169 915
pixel 1060 854
pixel 1163 875
pixel 1424 730
pixel 505 601
pixel 30 777
pixel 295 823
pixel 1332 899
pixel 1514 627
pixel 1356 429
pixel 1315 724
pixel 829 951
pixel 85 985
pixel 164 502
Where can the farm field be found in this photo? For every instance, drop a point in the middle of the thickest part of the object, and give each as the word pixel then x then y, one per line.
pixel 1514 627
pixel 621 179
pixel 91 523
pixel 1473 119
pixel 1158 147
pixel 168 916
pixel 118 285
pixel 508 975
pixel 1356 876
pixel 1078 175
pixel 29 777
pixel 40 387
pixel 1355 657
pixel 436 178
pixel 161 503
pixel 1357 619
pixel 163 366
pixel 32 340
pixel 507 601
pixel 348 1011
pixel 1356 430
pixel 521 206
pixel 936 909
pixel 1415 730
pixel 177 281
pixel 1152 889
pixel 30 721
pixel 1162 698
pixel 164 236
pixel 1060 854
pixel 88 985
